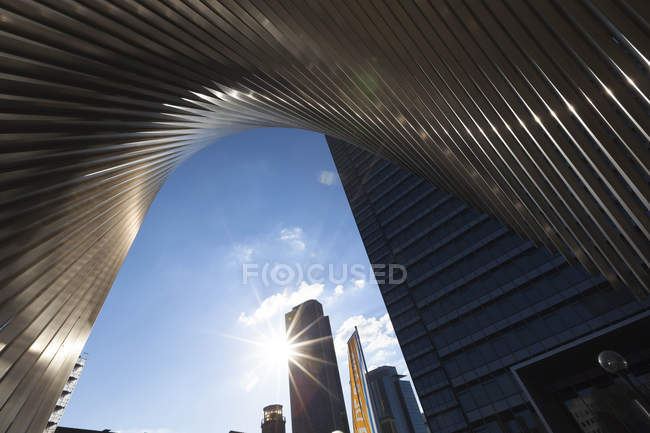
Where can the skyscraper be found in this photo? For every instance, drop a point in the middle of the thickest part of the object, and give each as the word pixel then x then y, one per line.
pixel 499 335
pixel 273 421
pixel 66 393
pixel 317 404
pixel 396 410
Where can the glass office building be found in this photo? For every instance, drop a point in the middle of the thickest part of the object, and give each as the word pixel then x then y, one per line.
pixel 315 391
pixel 396 409
pixel 499 335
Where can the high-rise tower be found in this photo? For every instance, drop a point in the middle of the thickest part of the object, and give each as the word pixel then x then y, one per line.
pixel 64 399
pixel 499 335
pixel 317 404
pixel 396 410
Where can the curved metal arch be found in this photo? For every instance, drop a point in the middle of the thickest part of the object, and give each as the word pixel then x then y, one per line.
pixel 533 111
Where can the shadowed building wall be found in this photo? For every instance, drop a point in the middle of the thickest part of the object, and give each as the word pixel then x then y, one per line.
pixel 478 300
pixel 317 404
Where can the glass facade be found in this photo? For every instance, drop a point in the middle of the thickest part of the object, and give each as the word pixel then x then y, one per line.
pixel 395 407
pixel 315 391
pixel 478 299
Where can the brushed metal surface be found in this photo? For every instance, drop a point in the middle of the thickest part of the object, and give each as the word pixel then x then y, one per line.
pixel 533 111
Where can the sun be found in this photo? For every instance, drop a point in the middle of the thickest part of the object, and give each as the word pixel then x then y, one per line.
pixel 271 349
pixel 273 355
pixel 277 350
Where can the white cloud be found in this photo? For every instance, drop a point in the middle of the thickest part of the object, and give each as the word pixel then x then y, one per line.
pixel 327 177
pixel 294 236
pixel 337 293
pixel 281 303
pixel 242 253
pixel 340 291
pixel 380 345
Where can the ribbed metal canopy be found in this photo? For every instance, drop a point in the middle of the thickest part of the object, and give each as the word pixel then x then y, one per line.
pixel 535 111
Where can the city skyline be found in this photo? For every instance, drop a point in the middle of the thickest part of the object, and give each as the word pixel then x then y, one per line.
pixel 178 252
pixel 294 240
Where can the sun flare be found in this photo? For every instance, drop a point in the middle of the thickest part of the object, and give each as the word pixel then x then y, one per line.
pixel 277 350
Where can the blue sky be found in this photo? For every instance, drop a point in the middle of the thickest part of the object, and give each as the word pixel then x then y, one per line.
pixel 182 342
